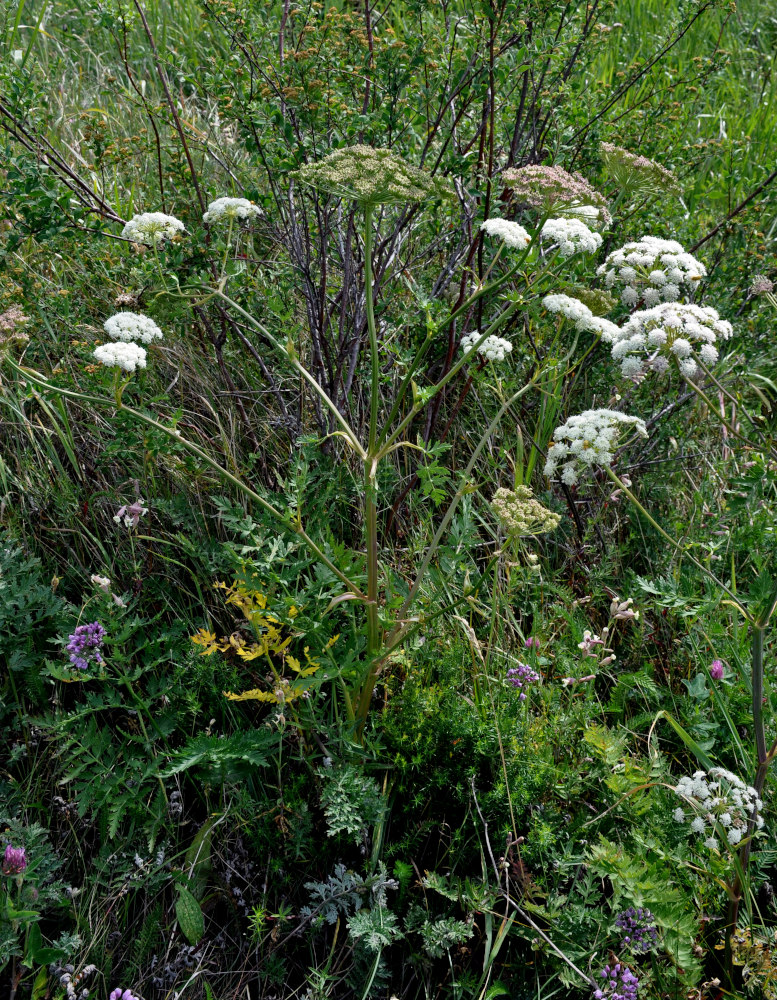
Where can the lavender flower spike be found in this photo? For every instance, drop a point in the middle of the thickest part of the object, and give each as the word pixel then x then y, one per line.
pixel 85 644
pixel 14 860
pixel 520 675
pixel 120 994
pixel 620 983
pixel 639 930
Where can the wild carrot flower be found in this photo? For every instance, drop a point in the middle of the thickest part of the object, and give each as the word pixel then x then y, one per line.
pixel 651 270
pixel 638 928
pixel 636 174
pixel 493 348
pixel 554 189
pixel 717 799
pixel 571 236
pixel 236 209
pixel 578 313
pixel 521 514
pixel 510 233
pixel 370 176
pixel 588 439
pixel 652 338
pixel 14 860
pixel 84 645
pixel 127 356
pixel 522 676
pixel 152 228
pixel 130 326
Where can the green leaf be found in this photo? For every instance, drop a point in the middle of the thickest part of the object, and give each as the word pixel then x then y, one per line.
pixel 189 915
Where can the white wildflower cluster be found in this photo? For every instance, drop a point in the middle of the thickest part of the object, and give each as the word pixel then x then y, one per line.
pixel 570 236
pixel 520 514
pixel 127 356
pixel 152 228
pixel 579 314
pixel 652 338
pixel 510 233
pixel 720 801
pixel 231 209
pixel 127 326
pixel 651 270
pixel 493 348
pixel 586 440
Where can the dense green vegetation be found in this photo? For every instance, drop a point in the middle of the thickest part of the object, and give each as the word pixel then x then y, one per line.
pixel 338 660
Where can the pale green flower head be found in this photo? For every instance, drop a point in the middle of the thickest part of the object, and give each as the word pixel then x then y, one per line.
pixel 520 514
pixel 370 177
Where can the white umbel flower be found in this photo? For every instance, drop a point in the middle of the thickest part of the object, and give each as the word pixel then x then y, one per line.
pixel 571 236
pixel 152 228
pixel 127 326
pixel 579 313
pixel 586 440
pixel 510 233
pixel 224 209
pixel 651 269
pixel 493 348
pixel 127 356
pixel 652 338
pixel 721 800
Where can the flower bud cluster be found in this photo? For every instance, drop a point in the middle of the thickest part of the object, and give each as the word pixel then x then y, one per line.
pixel 588 439
pixel 226 209
pixel 651 270
pixel 128 326
pixel 639 930
pixel 520 676
pixel 370 176
pixel 637 174
pixel 622 611
pixel 520 514
pixel 718 800
pixel 510 233
pixel 152 228
pixel 493 348
pixel 570 236
pixel 652 338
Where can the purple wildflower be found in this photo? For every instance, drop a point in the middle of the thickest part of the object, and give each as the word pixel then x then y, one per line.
pixel 534 642
pixel 716 670
pixel 620 983
pixel 639 930
pixel 14 860
pixel 120 994
pixel 520 676
pixel 85 644
pixel 130 514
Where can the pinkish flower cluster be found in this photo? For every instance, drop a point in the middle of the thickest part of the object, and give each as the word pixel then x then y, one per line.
pixel 553 188
pixel 716 670
pixel 120 994
pixel 14 860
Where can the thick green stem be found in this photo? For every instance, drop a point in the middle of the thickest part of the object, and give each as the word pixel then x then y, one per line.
pixel 373 333
pixel 675 544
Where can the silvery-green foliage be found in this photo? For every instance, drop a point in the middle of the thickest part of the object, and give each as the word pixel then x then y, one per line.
pixel 352 802
pixel 375 928
pixel 341 893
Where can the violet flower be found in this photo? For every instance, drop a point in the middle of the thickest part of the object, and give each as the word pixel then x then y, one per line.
pixel 14 860
pixel 85 644
pixel 520 676
pixel 716 670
